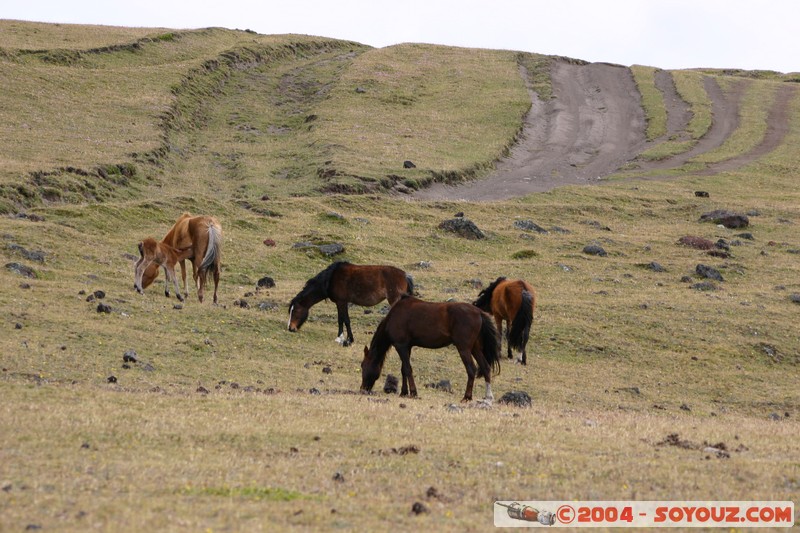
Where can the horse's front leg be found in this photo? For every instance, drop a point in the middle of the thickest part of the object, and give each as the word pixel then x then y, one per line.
pixel 344 320
pixel 183 278
pixel 409 387
pixel 171 276
pixel 166 281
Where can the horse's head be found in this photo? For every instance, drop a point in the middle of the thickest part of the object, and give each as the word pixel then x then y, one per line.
pixel 298 314
pixel 370 370
pixel 145 268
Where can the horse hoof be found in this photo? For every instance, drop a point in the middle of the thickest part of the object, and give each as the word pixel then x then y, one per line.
pixel 346 343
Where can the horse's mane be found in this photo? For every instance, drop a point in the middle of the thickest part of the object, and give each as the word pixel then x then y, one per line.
pixel 484 300
pixel 381 342
pixel 318 286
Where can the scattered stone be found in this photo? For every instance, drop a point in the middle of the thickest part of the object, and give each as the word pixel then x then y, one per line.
pixel 241 303
pixel 726 218
pixel 177 307
pixel 390 387
pixel 474 283
pixel 708 272
pixel 419 508
pixel 327 370
pixel 103 308
pixel 338 477
pixel 202 390
pixel 529 225
pixel 795 298
pixel 432 493
pixel 409 164
pixel 129 356
pixel 30 255
pixel 453 408
pixel 704 286
pixel 701 194
pixel 360 90
pixel 265 283
pixel 21 269
pixel 775 417
pixel 112 379
pixel 24 285
pixel 655 267
pixel 518 398
pixel 19 326
pixel 463 227
pixel 443 385
pixel 594 249
pixel 314 391
pixel 747 236
pixel 698 243
pixel 99 294
pixel 423 265
pixel 269 242
pixel 332 249
pixel 632 390
pixel 460 214
pixel 685 407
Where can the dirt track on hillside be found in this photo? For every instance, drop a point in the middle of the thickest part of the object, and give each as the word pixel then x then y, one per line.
pixel 595 124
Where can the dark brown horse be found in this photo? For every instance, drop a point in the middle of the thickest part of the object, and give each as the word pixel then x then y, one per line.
pixel 190 238
pixel 412 322
pixel 344 283
pixel 513 301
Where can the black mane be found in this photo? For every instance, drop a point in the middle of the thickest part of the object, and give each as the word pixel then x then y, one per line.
pixel 484 300
pixel 317 288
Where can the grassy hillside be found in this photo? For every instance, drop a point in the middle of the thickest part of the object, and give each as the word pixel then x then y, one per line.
pixel 228 421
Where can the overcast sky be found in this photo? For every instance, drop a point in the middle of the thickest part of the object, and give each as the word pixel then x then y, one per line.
pixel 670 34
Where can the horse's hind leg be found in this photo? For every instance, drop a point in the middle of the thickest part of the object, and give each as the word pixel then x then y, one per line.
pixel 466 358
pixel 485 371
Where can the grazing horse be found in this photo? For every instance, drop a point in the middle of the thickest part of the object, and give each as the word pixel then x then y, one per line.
pixel 190 238
pixel 513 301
pixel 342 283
pixel 413 322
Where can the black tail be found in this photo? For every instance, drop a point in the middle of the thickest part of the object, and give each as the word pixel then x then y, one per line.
pixel 521 325
pixel 491 349
pixel 409 285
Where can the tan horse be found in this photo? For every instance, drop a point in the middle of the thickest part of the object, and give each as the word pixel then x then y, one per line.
pixel 190 238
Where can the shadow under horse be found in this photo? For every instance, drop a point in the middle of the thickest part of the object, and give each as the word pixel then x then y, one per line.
pixel 198 239
pixel 512 300
pixel 412 322
pixel 344 283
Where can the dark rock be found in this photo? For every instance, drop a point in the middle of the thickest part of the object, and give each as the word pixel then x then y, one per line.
pixel 460 214
pixel 90 298
pixel 518 398
pixel 338 477
pixel 408 164
pixel 265 283
pixel 103 308
pixel 327 370
pixel 722 244
pixel 656 267
pixel 747 236
pixel 419 508
pixel 698 243
pixel 269 242
pixel 99 294
pixel 331 249
pixel 443 385
pixel 314 391
pixel 112 379
pixel 686 279
pixel 708 272
pixel 30 255
pixel 701 194
pixel 529 225
pixel 202 390
pixel 462 227
pixel 719 253
pixel 685 407
pixel 793 297
pixel 726 218
pixel 177 307
pixel 241 303
pixel 594 249
pixel 129 356
pixel 390 387
pixel 360 90
pixel 21 269
pixel 704 286
pixel 17 326
pixel 24 285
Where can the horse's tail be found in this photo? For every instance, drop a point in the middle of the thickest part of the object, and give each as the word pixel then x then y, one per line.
pixel 409 285
pixel 521 325
pixel 214 248
pixel 491 349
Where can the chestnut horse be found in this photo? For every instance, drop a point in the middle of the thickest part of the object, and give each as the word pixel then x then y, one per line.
pixel 342 283
pixel 513 301
pixel 413 322
pixel 190 238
